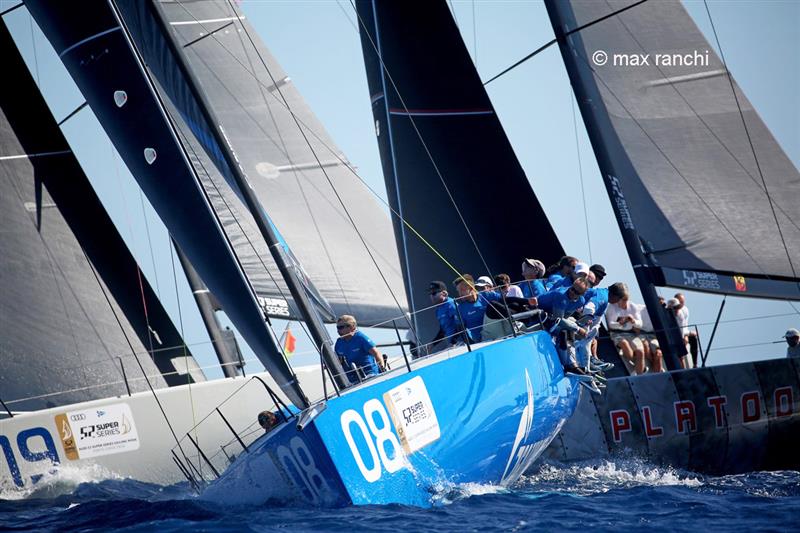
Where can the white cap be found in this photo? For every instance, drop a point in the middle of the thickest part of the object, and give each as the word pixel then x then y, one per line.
pixel 672 302
pixel 484 281
pixel 792 332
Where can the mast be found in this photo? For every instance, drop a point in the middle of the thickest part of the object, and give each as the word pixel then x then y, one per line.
pixel 315 326
pixel 669 335
pixel 226 351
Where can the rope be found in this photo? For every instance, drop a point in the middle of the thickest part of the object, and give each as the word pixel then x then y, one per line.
pixel 750 142
pixel 425 146
pixel 580 174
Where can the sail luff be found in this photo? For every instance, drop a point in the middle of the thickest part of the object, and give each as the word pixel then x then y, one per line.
pixel 603 142
pixel 448 167
pixel 268 231
pixel 707 185
pixel 92 43
pixel 329 219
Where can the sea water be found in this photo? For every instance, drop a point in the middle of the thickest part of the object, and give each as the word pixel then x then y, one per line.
pixel 602 495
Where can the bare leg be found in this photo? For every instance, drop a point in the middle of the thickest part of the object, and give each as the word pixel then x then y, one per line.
pixel 594 347
pixel 638 361
pixel 627 351
pixel 656 363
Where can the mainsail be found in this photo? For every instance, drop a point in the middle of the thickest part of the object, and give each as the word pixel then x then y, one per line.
pixel 303 181
pixel 95 47
pixel 697 173
pixel 450 171
pixel 74 306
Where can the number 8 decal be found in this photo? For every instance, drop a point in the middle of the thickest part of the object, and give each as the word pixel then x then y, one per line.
pixel 383 435
pixel 350 417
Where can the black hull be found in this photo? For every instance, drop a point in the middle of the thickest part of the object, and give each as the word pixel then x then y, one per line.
pixel 719 420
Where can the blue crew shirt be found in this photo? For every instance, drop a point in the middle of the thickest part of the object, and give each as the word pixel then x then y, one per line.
pixel 447 316
pixel 564 281
pixel 552 279
pixel 472 313
pixel 532 288
pixel 558 304
pixel 356 350
pixel 599 297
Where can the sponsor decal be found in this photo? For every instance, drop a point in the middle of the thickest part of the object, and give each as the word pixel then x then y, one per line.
pixel 412 412
pixel 96 432
pixel 274 306
pixel 620 202
pixel 701 280
pixel 740 283
pixel 684 413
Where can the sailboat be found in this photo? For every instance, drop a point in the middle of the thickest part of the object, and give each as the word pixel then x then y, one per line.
pixel 96 379
pixel 477 413
pixel 706 200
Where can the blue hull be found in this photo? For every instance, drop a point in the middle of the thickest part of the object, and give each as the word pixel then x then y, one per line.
pixel 477 417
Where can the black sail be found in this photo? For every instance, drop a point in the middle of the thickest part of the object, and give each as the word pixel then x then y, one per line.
pixel 72 308
pixel 447 162
pixel 95 48
pixel 686 177
pixel 297 172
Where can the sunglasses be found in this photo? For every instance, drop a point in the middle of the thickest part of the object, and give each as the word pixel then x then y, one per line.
pixel 345 326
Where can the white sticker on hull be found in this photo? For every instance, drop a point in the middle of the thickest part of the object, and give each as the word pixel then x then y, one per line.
pixel 100 431
pixel 412 412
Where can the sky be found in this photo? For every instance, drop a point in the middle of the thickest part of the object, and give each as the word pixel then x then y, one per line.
pixel 317 44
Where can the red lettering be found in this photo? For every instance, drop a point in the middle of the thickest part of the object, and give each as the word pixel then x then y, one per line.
pixel 716 403
pixel 620 423
pixel 649 429
pixel 684 413
pixel 783 401
pixel 751 407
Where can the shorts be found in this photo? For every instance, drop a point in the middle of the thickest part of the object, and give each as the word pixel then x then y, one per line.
pixel 651 339
pixel 634 340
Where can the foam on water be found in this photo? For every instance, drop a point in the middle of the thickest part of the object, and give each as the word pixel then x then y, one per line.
pixel 60 479
pixel 594 477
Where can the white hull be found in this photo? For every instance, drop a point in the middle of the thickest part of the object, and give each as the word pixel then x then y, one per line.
pixel 128 436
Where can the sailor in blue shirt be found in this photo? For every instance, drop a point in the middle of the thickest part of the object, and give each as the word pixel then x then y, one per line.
pixel 561 303
pixel 564 268
pixel 356 348
pixel 472 305
pixel 532 271
pixel 446 314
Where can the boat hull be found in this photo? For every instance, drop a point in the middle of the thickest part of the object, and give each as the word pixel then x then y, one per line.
pixel 482 416
pixel 724 419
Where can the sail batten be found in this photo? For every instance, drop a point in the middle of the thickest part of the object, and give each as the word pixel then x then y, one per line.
pixel 308 188
pixel 699 170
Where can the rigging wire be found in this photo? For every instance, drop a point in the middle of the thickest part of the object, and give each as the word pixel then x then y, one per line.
pixel 347 165
pixel 474 37
pixel 752 147
pixel 325 173
pixel 296 173
pixel 550 43
pixel 424 145
pixel 711 131
pixel 33 45
pixel 303 128
pixel 580 174
pixel 149 242
pixel 183 337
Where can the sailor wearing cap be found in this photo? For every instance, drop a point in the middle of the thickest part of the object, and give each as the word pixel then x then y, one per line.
pixel 446 314
pixel 793 340
pixel 532 272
